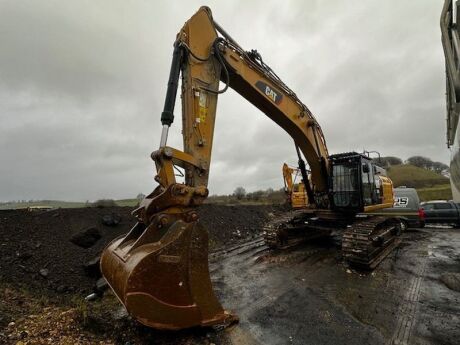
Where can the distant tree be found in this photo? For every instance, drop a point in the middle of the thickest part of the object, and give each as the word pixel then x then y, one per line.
pixel 277 197
pixel 256 196
pixel 439 167
pixel 386 162
pixel 427 163
pixel 421 162
pixel 239 193
pixel 140 196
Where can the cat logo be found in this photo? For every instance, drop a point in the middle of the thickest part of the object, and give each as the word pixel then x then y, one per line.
pixel 274 95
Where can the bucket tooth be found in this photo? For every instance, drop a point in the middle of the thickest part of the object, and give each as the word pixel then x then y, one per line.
pixel 162 278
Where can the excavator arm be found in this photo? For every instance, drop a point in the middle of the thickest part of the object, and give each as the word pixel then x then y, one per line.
pixel 205 57
pixel 287 177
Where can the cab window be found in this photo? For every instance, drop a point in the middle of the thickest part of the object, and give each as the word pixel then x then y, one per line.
pixel 344 178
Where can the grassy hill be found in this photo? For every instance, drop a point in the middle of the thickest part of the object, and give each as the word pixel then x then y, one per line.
pixel 429 184
pixel 127 202
pixel 441 192
pixel 411 176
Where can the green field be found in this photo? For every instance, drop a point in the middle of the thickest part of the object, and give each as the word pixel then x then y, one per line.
pixel 40 203
pixel 61 204
pixel 127 202
pixel 441 192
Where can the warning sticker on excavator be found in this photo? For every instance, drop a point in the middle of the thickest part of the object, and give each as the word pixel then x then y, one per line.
pixel 203 107
pixel 203 114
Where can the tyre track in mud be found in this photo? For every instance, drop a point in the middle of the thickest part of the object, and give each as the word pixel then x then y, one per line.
pixel 238 249
pixel 241 258
pixel 438 310
pixel 256 283
pixel 408 312
pixel 292 296
pixel 238 256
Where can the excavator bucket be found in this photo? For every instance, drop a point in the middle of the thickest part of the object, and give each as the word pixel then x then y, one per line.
pixel 161 275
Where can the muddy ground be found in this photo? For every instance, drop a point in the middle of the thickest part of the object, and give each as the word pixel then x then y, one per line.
pixel 305 295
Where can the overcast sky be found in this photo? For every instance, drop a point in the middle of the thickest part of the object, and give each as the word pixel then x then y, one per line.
pixel 82 85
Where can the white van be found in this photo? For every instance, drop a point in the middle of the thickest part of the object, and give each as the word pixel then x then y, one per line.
pixel 407 208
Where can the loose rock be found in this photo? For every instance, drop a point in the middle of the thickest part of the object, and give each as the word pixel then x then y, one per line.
pixel 44 272
pixel 92 267
pixel 111 219
pixel 61 288
pixel 86 238
pixel 451 280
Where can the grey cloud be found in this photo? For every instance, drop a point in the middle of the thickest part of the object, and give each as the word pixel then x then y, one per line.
pixel 82 85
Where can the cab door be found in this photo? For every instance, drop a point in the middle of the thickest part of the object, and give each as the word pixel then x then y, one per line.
pixel 370 184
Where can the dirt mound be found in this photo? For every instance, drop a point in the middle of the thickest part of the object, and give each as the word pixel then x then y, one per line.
pixel 37 254
pixel 230 224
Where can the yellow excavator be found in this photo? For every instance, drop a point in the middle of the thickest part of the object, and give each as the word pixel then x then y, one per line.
pixel 296 194
pixel 159 270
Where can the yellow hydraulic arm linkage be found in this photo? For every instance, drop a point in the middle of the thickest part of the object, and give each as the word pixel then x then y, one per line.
pixel 159 270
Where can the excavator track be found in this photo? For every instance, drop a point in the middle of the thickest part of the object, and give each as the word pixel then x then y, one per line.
pixel 366 243
pixel 272 230
pixel 290 229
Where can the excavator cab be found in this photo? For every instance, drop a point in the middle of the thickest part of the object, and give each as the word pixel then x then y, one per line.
pixel 358 184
